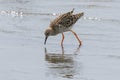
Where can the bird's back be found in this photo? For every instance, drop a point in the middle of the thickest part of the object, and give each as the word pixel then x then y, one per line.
pixel 61 17
pixel 65 20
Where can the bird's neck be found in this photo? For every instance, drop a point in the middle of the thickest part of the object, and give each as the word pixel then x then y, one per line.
pixel 52 32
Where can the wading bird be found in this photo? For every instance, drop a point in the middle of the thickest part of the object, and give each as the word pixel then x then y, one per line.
pixel 62 24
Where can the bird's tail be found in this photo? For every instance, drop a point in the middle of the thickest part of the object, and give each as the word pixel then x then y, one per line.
pixel 79 15
pixel 72 10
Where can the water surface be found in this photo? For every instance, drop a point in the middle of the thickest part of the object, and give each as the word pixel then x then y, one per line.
pixel 23 56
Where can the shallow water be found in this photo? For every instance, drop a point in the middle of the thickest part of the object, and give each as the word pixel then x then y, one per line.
pixel 23 56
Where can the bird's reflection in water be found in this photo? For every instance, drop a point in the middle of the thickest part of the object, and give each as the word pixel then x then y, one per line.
pixel 60 64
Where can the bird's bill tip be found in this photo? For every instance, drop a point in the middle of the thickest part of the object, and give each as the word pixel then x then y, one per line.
pixel 45 40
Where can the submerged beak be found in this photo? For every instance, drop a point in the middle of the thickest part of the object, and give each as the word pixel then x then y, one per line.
pixel 45 40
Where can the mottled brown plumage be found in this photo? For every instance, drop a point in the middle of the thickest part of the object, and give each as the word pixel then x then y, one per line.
pixel 62 24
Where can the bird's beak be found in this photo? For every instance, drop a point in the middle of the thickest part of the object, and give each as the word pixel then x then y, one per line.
pixel 45 40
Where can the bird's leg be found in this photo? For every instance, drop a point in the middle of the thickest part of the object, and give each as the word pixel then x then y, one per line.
pixel 76 37
pixel 62 40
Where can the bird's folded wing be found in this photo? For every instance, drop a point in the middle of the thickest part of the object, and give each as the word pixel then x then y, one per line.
pixel 60 20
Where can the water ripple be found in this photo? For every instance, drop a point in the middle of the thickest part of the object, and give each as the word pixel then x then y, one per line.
pixel 21 14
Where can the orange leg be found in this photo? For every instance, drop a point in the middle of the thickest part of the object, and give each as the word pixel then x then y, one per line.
pixel 76 37
pixel 62 39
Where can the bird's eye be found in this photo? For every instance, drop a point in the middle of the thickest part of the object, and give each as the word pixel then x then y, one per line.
pixel 47 33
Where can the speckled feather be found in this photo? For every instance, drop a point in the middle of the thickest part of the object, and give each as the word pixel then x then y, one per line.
pixel 65 21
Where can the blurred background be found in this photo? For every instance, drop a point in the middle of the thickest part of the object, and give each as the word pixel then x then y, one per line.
pixel 23 56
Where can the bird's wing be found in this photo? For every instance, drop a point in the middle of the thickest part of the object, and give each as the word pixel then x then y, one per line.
pixel 60 20
pixel 71 20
